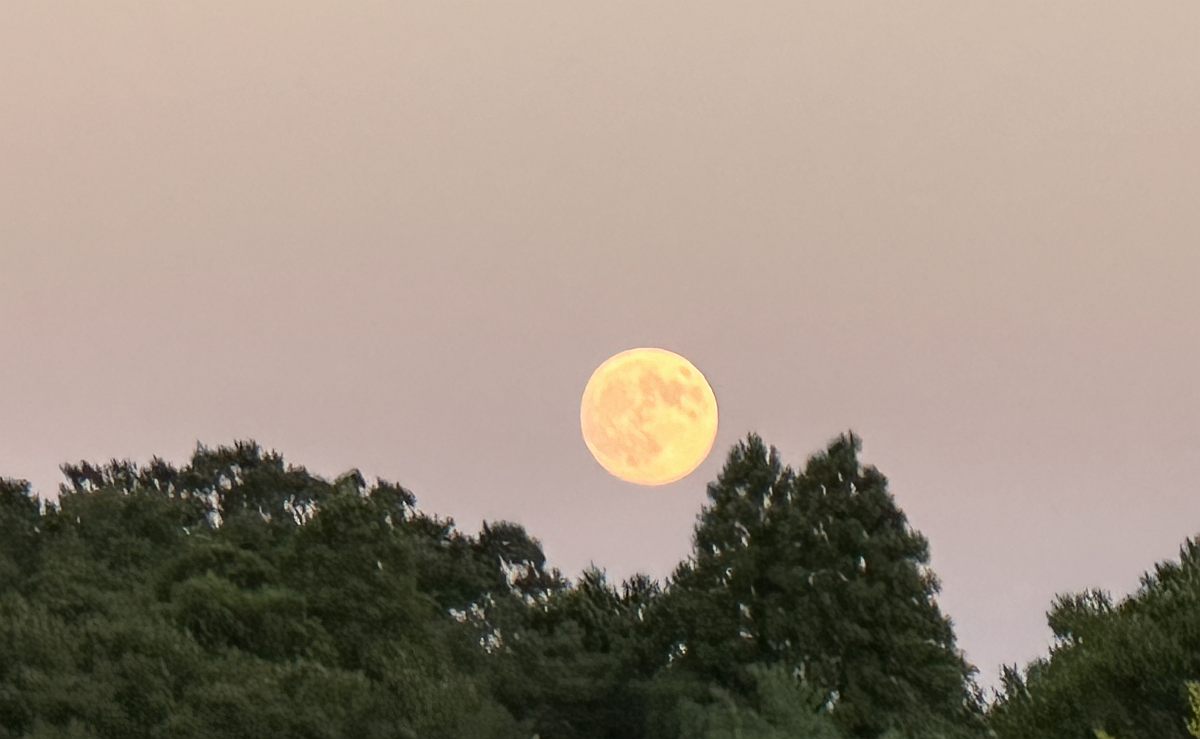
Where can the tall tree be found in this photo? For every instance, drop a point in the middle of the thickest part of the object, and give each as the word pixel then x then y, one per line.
pixel 818 572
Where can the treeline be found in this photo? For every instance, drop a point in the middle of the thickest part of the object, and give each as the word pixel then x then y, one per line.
pixel 239 596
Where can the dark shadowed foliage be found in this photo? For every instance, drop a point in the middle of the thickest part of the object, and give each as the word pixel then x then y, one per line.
pixel 240 596
pixel 1119 668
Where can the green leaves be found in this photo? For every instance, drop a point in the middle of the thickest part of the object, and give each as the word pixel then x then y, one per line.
pixel 776 706
pixel 1193 721
pixel 240 596
pixel 1119 667
pixel 816 572
pixel 234 597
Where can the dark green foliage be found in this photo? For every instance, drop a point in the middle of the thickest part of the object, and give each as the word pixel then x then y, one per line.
pixel 776 707
pixel 235 597
pixel 570 666
pixel 817 572
pixel 19 519
pixel 1121 668
pixel 239 596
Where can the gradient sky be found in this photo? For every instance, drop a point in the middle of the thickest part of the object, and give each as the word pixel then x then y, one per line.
pixel 400 237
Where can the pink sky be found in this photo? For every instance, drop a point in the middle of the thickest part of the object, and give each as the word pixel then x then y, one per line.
pixel 400 236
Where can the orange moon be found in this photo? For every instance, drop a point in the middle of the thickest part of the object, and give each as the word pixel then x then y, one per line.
pixel 648 416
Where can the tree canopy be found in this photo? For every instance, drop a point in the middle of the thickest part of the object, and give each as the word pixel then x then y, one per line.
pixel 1122 668
pixel 238 595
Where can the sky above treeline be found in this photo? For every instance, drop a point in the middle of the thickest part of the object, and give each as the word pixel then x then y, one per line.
pixel 400 237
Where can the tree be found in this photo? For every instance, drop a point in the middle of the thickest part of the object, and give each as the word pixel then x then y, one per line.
pixel 778 707
pixel 240 596
pixel 572 666
pixel 817 572
pixel 1120 668
pixel 236 596
pixel 20 514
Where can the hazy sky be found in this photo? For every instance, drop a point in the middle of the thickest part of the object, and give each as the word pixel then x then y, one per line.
pixel 400 236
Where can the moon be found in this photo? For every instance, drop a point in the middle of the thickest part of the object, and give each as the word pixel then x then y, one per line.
pixel 648 416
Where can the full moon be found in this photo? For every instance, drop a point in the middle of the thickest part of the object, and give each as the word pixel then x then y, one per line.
pixel 648 416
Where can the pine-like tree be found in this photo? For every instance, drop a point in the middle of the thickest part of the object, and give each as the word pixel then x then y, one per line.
pixel 818 572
